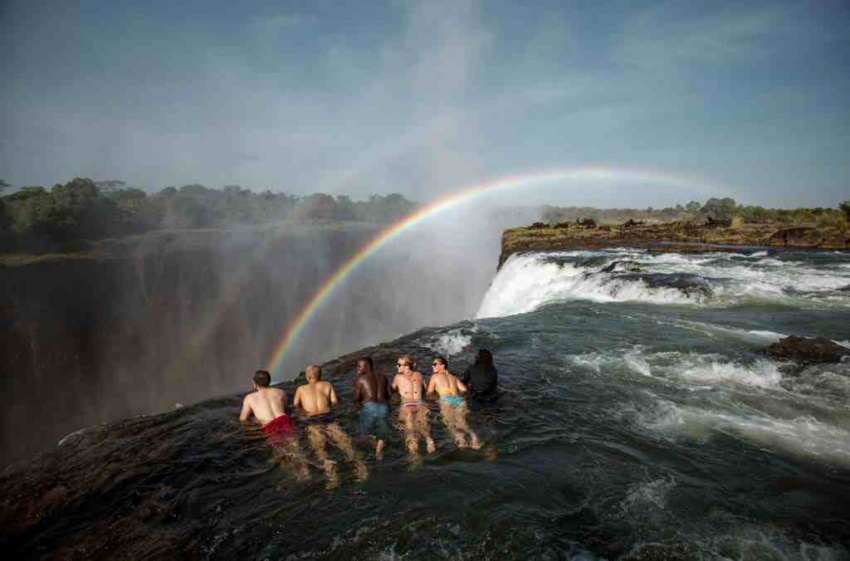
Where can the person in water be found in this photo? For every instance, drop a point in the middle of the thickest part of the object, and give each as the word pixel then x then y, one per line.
pixel 268 406
pixel 372 390
pixel 413 413
pixel 481 378
pixel 316 398
pixel 452 404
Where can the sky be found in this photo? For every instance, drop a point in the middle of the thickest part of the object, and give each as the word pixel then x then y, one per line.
pixel 749 98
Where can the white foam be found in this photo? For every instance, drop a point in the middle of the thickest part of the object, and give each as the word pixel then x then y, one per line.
pixel 755 335
pixel 762 374
pixel 452 342
pixel 528 282
pixel 71 435
pixel 650 494
pixel 802 436
pixel 704 370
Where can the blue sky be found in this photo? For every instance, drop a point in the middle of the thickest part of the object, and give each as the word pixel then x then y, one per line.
pixel 426 97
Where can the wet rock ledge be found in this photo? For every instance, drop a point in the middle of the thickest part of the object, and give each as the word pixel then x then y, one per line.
pixel 677 237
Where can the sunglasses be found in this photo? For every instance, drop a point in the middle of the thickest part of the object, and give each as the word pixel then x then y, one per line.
pixel 400 364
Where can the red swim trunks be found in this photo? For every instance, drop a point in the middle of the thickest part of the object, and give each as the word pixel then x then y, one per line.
pixel 278 430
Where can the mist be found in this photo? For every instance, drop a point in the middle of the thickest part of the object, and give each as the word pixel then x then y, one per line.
pixel 174 317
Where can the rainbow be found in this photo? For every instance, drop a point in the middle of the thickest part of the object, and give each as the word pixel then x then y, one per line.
pixel 452 200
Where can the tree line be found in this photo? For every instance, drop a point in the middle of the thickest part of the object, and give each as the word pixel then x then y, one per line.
pixel 724 211
pixel 35 218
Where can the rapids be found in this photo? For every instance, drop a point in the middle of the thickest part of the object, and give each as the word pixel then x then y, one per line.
pixel 638 419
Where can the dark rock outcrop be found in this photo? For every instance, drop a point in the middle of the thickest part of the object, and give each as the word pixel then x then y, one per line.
pixel 587 223
pixel 807 350
pixel 797 237
pixel 689 285
pixel 712 222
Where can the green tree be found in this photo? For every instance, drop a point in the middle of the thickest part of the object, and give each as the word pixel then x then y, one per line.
pixel 719 209
pixel 845 208
pixel 693 207
pixel 317 206
pixel 344 208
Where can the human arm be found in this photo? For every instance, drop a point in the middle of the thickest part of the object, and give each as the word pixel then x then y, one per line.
pixel 461 387
pixel 432 386
pixel 246 410
pixel 296 401
pixel 332 395
pixel 358 395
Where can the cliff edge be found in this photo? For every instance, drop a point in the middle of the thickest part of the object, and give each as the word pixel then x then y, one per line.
pixel 669 237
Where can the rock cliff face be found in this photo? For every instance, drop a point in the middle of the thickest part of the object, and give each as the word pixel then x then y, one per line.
pixel 678 237
pixel 140 324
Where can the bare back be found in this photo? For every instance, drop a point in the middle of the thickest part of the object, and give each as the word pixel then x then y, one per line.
pixel 445 383
pixel 371 386
pixel 266 404
pixel 411 386
pixel 316 398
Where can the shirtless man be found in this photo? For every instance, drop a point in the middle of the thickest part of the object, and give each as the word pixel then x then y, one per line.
pixel 373 391
pixel 452 404
pixel 268 405
pixel 414 411
pixel 316 398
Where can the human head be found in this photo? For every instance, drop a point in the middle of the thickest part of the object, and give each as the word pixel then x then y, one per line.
pixel 313 373
pixel 484 358
pixel 405 361
pixel 438 360
pixel 262 379
pixel 365 364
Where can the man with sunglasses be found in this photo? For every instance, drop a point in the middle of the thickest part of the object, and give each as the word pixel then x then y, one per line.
pixel 414 411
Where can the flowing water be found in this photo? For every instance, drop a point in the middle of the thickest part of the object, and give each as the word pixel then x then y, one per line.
pixel 638 419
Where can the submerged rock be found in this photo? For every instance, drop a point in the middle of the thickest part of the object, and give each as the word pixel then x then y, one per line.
pixel 807 350
pixel 689 285
pixel 623 265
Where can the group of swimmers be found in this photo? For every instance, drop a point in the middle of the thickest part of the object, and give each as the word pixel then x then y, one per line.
pixel 373 393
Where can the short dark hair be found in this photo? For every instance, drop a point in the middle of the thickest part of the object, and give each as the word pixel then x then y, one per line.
pixel 484 358
pixel 367 360
pixel 262 378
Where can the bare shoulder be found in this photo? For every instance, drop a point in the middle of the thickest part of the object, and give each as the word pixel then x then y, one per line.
pixel 326 386
pixel 278 392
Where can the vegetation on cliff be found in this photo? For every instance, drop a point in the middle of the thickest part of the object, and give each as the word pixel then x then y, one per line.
pixel 722 211
pixel 37 219
pixel 800 228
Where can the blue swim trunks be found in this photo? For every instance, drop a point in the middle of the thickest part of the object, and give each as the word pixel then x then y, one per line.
pixel 453 400
pixel 373 420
